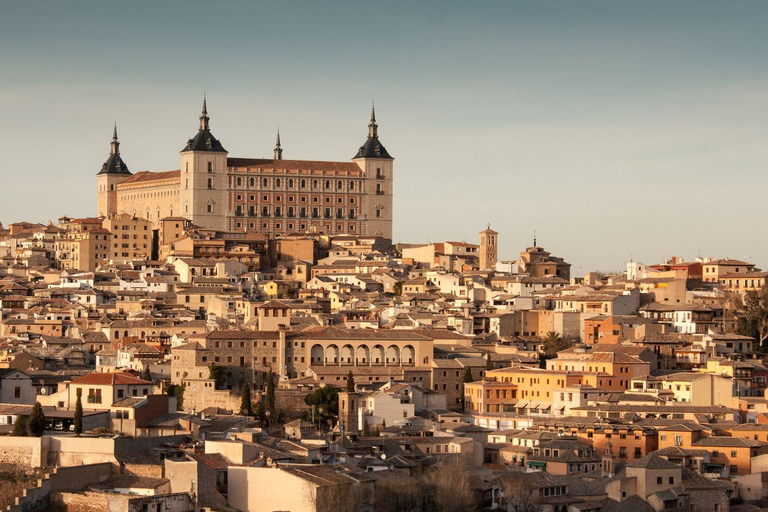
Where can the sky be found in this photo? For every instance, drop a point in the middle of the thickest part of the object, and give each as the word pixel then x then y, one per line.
pixel 616 130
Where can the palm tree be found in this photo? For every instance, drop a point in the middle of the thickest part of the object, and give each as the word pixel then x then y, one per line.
pixel 553 343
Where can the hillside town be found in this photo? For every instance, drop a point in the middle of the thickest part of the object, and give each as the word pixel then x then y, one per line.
pixel 162 365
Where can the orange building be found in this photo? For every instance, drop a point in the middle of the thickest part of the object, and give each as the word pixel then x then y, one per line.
pixel 490 396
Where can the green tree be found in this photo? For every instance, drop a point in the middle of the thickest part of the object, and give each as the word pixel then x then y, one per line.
pixel 270 405
pixel 350 382
pixel 553 343
pixel 488 362
pixel 753 316
pixel 19 427
pixel 36 422
pixel 466 380
pixel 178 392
pixel 78 416
pixel 366 428
pixel 397 288
pixel 259 412
pixel 326 402
pixel 219 375
pixel 146 374
pixel 246 406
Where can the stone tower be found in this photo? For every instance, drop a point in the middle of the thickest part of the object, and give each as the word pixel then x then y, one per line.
pixel 113 172
pixel 377 167
pixel 488 249
pixel 348 406
pixel 203 180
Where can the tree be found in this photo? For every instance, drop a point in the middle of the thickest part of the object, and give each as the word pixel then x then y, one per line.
pixel 350 382
pixel 334 497
pixel 366 428
pixel 178 392
pixel 36 422
pixel 488 362
pixel 219 375
pixel 270 400
pixel 466 380
pixel 78 416
pixel 326 402
pixel 753 316
pixel 19 427
pixel 521 496
pixel 146 375
pixel 246 406
pixel 449 487
pixel 397 288
pixel 553 343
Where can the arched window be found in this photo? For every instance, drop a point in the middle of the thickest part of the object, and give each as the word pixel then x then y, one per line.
pixel 303 183
pixel 239 181
pixel 290 183
pixel 327 184
pixel 264 182
pixel 251 182
pixel 351 185
pixel 277 182
pixel 315 183
pixel 339 185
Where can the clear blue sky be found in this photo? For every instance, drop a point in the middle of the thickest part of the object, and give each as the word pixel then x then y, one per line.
pixel 613 128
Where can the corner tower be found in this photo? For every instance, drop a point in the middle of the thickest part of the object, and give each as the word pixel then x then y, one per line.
pixel 376 163
pixel 203 178
pixel 113 172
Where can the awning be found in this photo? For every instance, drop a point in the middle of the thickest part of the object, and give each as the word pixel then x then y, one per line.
pixel 533 406
pixel 537 464
pixel 546 407
pixel 561 408
pixel 521 405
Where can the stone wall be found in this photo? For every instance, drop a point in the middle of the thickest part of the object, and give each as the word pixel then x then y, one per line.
pixel 27 451
pixel 79 502
pixel 61 480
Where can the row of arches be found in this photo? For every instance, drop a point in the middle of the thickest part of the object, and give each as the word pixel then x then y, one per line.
pixel 392 355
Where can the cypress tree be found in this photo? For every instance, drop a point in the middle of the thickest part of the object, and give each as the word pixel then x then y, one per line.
pixel 36 423
pixel 19 427
pixel 146 375
pixel 350 382
pixel 78 416
pixel 178 391
pixel 270 405
pixel 488 362
pixel 246 407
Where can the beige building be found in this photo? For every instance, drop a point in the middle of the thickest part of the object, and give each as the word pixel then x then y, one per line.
pixel 271 196
pixel 131 237
pixel 83 250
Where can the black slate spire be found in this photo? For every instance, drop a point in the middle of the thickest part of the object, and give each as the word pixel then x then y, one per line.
pixel 204 140
pixel 373 148
pixel 114 163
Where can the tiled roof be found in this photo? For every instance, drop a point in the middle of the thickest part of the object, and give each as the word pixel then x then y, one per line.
pixel 144 176
pixel 110 379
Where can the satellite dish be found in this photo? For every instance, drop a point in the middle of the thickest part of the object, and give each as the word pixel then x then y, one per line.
pixel 383 456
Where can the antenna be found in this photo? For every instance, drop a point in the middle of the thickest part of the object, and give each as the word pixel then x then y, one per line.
pixel 534 238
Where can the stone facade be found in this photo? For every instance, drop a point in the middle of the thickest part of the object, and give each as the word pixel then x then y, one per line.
pixel 270 196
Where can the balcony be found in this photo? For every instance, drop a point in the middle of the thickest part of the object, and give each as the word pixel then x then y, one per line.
pixel 379 192
pixel 94 399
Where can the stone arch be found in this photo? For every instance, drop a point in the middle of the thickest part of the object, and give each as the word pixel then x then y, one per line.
pixel 347 354
pixel 362 355
pixel 377 355
pixel 393 354
pixel 332 354
pixel 409 354
pixel 316 354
